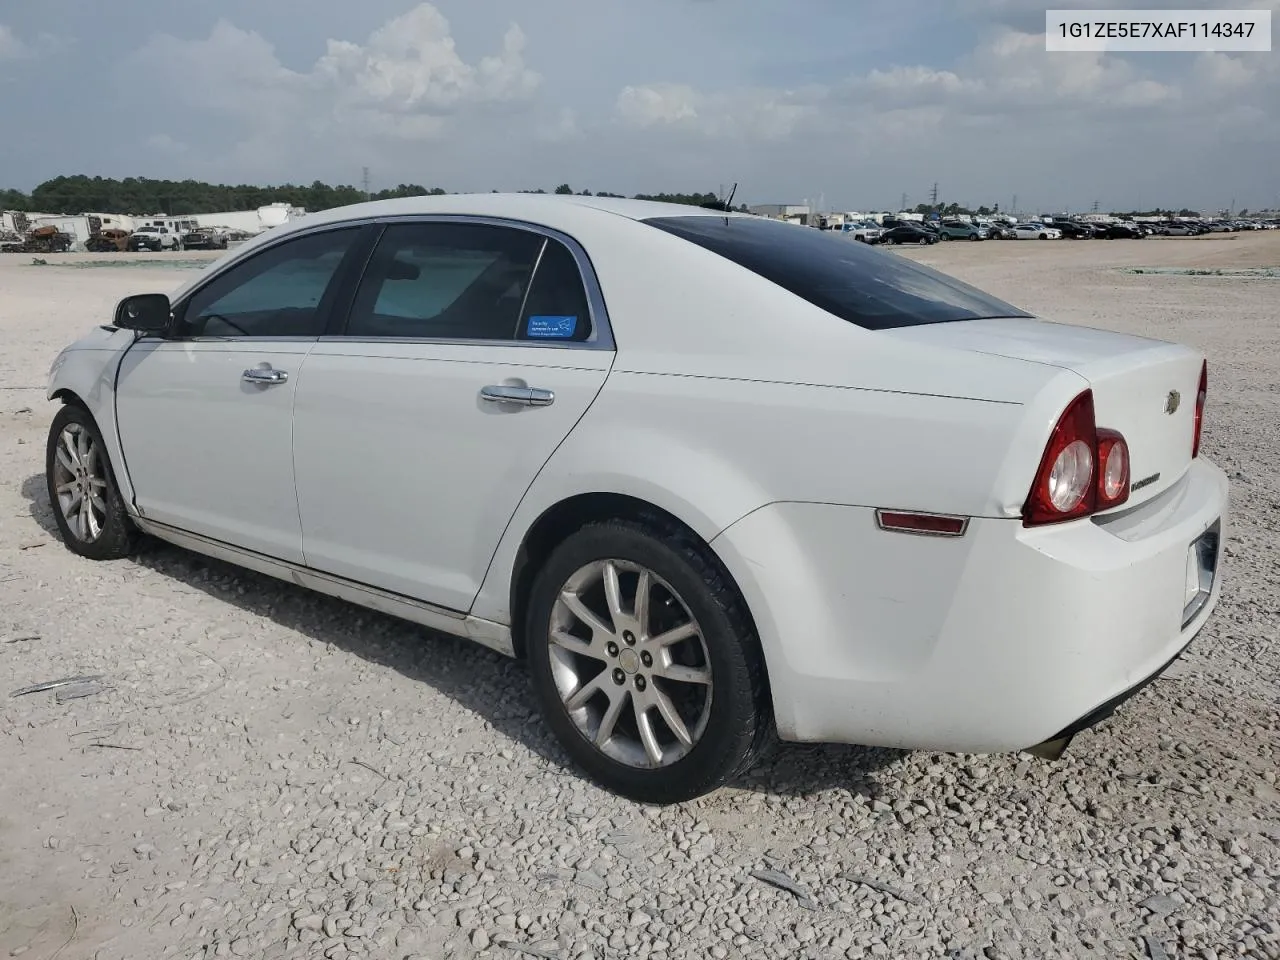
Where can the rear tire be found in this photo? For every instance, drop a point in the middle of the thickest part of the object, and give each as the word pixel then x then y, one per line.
pixel 86 502
pixel 657 722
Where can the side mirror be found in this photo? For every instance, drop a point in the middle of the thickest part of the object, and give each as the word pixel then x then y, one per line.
pixel 147 312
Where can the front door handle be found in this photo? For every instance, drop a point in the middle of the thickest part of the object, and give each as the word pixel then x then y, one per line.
pixel 265 376
pixel 526 396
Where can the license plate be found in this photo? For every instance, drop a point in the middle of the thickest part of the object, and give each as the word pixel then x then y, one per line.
pixel 1201 570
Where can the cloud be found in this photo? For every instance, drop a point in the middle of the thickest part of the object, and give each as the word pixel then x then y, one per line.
pixel 670 96
pixel 406 84
pixel 11 48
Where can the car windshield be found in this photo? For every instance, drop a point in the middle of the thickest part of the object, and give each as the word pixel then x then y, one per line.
pixel 864 286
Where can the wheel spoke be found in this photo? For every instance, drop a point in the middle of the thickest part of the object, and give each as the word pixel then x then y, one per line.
pixel 95 527
pixel 671 717
pixel 567 641
pixel 69 444
pixel 67 487
pixel 73 503
pixel 683 674
pixel 82 517
pixel 66 458
pixel 610 719
pixel 613 593
pixel 640 609
pixel 97 483
pixel 584 613
pixel 586 692
pixel 649 739
pixel 83 445
pixel 675 635
pixel 97 503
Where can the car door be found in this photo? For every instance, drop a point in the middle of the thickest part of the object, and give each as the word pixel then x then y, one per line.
pixel 205 413
pixel 471 350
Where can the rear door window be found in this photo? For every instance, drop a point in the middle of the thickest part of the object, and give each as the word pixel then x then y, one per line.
pixel 870 288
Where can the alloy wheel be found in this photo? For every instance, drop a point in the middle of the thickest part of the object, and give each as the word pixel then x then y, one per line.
pixel 630 664
pixel 79 482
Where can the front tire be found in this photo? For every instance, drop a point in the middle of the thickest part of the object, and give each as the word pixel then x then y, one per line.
pixel 86 502
pixel 645 662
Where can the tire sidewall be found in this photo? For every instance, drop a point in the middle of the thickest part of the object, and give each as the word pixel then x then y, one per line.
pixel 729 732
pixel 117 529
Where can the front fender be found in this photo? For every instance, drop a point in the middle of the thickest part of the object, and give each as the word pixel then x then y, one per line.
pixel 86 372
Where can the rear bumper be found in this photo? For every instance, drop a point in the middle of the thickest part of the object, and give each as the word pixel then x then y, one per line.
pixel 998 640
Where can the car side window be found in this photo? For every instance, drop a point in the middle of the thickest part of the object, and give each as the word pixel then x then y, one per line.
pixel 277 293
pixel 556 308
pixel 453 281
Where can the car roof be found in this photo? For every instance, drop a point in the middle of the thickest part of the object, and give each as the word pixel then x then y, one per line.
pixel 564 210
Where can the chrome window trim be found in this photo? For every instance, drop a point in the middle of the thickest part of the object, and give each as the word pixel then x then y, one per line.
pixel 602 328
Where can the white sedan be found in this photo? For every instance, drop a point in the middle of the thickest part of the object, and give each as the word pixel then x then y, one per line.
pixel 710 475
pixel 1035 231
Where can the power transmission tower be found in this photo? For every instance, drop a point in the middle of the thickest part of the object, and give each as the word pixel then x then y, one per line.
pixel 1014 209
pixel 933 196
pixel 1095 206
pixel 904 202
pixel 366 183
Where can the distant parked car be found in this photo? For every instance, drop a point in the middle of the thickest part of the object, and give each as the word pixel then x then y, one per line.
pixel 154 239
pixel 1036 231
pixel 1124 231
pixel 999 230
pixel 864 231
pixel 1180 230
pixel 204 238
pixel 908 233
pixel 961 230
pixel 1073 230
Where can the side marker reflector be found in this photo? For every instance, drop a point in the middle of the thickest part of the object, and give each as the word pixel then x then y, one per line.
pixel 926 524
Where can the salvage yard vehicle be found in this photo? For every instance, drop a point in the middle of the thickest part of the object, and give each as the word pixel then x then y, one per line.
pixel 43 239
pixel 154 239
pixel 709 474
pixel 907 233
pixel 960 230
pixel 204 238
pixel 1035 231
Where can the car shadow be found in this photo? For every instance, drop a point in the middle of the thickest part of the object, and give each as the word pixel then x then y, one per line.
pixel 464 671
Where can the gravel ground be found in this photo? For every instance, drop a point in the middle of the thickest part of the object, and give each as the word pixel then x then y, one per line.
pixel 271 773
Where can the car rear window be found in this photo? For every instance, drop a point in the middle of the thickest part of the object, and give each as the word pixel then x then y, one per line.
pixel 871 288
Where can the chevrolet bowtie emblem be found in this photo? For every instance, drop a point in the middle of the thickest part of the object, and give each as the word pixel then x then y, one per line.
pixel 1172 401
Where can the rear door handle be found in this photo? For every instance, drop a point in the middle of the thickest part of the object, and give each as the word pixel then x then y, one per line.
pixel 265 376
pixel 526 396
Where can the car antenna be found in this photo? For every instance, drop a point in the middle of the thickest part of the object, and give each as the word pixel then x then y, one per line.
pixel 721 204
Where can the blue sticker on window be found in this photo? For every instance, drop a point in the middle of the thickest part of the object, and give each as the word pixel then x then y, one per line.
pixel 557 328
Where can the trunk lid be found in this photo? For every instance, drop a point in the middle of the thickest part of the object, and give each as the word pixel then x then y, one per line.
pixel 1144 388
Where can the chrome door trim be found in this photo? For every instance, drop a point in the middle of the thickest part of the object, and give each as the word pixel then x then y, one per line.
pixel 487 633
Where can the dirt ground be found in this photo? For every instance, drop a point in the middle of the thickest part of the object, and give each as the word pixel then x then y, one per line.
pixel 270 773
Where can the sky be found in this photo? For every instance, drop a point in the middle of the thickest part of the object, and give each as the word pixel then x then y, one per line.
pixel 852 103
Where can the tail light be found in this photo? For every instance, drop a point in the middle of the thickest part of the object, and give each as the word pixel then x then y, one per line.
pixel 1113 469
pixel 1200 398
pixel 1083 469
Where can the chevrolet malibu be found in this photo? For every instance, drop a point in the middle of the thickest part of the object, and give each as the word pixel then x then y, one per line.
pixel 712 476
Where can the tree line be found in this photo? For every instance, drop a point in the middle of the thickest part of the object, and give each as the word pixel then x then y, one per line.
pixel 142 196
